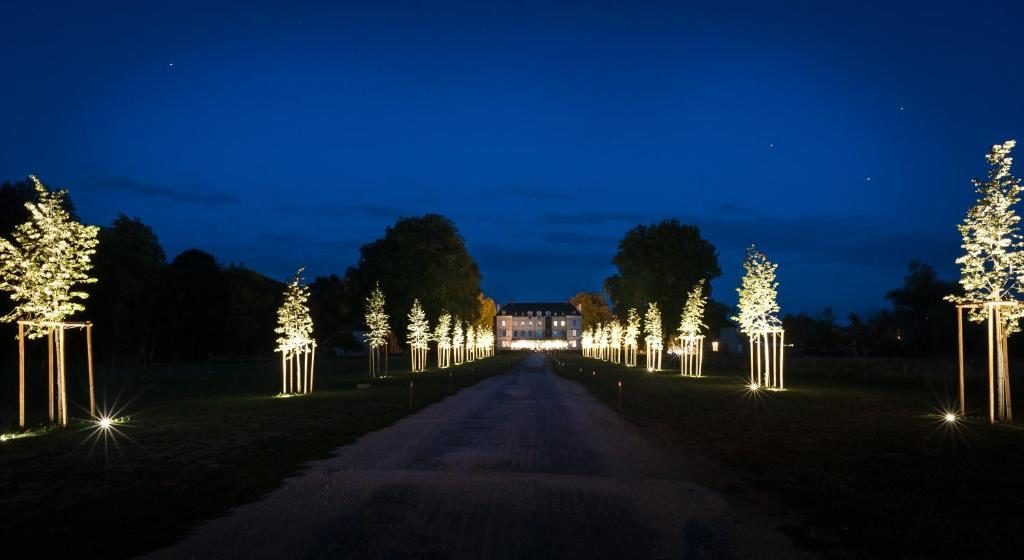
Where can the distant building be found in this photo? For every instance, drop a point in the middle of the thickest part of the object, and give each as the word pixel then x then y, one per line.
pixel 518 325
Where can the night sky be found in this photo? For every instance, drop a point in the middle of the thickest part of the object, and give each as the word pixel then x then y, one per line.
pixel 840 139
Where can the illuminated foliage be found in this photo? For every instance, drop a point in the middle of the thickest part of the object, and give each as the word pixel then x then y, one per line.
pixel 653 336
pixel 294 341
pixel 757 319
pixel 418 336
pixel 294 324
pixel 442 336
pixel 993 260
pixel 47 258
pixel 587 342
pixel 470 342
pixel 377 328
pixel 631 336
pixel 615 332
pixel 691 323
pixel 758 293
pixel 458 342
pixel 991 270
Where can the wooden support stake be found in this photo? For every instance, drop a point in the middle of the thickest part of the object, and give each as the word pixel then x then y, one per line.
pixel 960 353
pixel 991 374
pixel 92 387
pixel 62 379
pixel 782 370
pixel 49 372
pixel 312 367
pixel 21 375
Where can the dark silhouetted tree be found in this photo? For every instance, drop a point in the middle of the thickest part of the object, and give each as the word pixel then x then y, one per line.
pixel 659 264
pixel 130 266
pixel 425 258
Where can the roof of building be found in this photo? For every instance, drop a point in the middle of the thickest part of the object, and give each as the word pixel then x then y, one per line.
pixel 538 308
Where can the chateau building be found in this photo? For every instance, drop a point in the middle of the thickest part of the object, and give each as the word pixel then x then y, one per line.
pixel 537 325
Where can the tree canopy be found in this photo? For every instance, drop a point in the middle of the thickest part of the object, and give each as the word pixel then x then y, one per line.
pixel 47 260
pixel 421 257
pixel 594 308
pixel 660 263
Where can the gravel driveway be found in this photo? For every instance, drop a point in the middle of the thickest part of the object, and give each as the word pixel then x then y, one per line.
pixel 523 465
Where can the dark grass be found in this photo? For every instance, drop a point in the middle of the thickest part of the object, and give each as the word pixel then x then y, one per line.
pixel 200 440
pixel 853 452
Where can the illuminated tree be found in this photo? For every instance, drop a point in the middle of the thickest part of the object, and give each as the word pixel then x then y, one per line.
pixel 458 341
pixel 758 320
pixel 587 342
pixel 654 337
pixel 615 333
pixel 470 343
pixel 605 334
pixel 377 330
pixel 418 337
pixel 484 342
pixel 443 339
pixel 991 270
pixel 295 339
pixel 47 259
pixel 691 324
pixel 631 336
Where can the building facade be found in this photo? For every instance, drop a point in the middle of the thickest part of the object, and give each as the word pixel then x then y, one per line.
pixel 538 326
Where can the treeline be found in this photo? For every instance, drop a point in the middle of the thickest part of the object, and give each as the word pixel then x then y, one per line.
pixel 918 322
pixel 148 308
pixel 661 262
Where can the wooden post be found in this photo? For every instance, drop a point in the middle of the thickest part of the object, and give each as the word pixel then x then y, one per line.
pixel 21 375
pixel 1006 378
pixel 782 370
pixel 960 354
pixel 62 379
pixel 991 374
pixel 92 387
pixel 312 367
pixel 49 371
pixel 751 340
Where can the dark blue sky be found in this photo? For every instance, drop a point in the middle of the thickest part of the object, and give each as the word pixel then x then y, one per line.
pixel 284 133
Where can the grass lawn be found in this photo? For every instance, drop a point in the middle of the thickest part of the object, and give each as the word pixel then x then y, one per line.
pixel 200 440
pixel 852 457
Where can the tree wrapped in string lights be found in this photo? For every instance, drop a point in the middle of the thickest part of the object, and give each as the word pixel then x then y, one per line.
pixel 48 257
pixel 615 333
pixel 631 336
pixel 991 271
pixel 691 324
pixel 757 318
pixel 653 337
pixel 458 342
pixel 378 330
pixel 418 337
pixel 295 339
pixel 443 339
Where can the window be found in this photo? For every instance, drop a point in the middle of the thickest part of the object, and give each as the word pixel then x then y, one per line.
pixel 503 322
pixel 515 334
pixel 504 333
